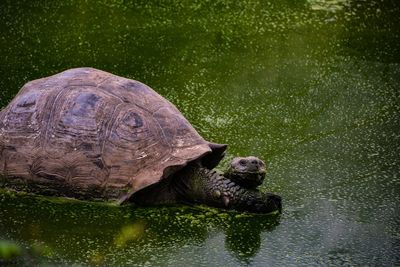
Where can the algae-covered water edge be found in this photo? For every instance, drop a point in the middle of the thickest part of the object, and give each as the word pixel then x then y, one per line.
pixel 312 87
pixel 104 234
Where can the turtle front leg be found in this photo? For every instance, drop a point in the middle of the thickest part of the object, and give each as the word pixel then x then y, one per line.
pixel 203 186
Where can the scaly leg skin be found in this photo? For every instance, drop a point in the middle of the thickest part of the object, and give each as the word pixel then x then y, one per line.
pixel 200 185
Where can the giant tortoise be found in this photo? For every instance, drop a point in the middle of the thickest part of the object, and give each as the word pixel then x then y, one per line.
pixel 89 134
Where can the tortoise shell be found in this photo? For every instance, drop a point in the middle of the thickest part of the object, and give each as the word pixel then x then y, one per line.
pixel 87 133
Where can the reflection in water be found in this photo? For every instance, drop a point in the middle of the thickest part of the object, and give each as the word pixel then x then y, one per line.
pixel 243 235
pixel 113 235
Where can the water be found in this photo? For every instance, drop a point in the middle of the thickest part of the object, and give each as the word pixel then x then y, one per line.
pixel 312 87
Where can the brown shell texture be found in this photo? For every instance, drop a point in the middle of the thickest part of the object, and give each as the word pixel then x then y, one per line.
pixel 86 131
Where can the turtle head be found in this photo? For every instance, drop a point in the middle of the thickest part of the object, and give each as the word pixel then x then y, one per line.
pixel 248 172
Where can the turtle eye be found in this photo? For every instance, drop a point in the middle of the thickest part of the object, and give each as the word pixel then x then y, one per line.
pixel 242 162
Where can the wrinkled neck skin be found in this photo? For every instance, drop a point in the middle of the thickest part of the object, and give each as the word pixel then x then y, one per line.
pixel 196 184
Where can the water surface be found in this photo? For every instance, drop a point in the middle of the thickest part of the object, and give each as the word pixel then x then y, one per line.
pixel 312 87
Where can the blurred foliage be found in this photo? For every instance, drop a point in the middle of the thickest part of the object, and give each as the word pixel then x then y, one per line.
pixel 9 250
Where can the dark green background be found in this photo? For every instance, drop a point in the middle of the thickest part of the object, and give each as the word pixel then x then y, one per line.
pixel 310 86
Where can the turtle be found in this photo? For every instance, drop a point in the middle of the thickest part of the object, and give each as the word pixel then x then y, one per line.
pixel 88 134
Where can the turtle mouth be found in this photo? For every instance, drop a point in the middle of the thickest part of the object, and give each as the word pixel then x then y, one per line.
pixel 248 179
